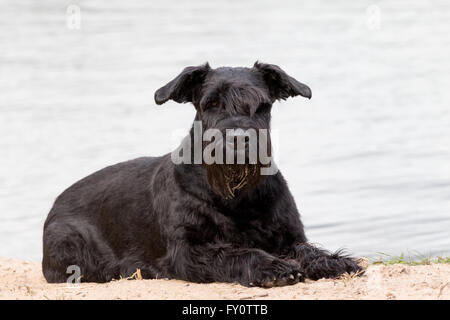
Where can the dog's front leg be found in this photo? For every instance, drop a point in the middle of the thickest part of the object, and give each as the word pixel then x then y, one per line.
pixel 225 263
pixel 318 263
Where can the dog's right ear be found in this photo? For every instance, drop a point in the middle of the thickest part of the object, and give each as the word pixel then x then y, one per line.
pixel 184 87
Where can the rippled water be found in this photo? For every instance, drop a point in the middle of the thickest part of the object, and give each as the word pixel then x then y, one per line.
pixel 367 159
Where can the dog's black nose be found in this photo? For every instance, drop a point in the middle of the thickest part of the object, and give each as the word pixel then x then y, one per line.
pixel 241 143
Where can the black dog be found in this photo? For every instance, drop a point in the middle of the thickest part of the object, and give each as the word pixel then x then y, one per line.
pixel 196 222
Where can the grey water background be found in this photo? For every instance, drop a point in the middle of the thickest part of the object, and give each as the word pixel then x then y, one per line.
pixel 367 158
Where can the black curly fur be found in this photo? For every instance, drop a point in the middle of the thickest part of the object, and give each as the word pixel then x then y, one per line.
pixel 167 221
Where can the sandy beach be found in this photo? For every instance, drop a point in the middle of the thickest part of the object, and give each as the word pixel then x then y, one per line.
pixel 23 280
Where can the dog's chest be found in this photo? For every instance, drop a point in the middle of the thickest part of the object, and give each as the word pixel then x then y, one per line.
pixel 254 230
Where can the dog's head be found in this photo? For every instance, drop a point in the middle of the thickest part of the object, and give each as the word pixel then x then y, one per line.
pixel 233 108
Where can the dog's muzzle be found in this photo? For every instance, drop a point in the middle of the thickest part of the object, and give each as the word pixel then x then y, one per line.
pixel 241 168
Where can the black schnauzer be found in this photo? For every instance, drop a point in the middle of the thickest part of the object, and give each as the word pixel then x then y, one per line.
pixel 200 222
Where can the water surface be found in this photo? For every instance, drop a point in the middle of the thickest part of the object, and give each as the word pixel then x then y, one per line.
pixel 367 159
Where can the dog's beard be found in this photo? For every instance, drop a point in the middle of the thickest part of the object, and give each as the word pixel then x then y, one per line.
pixel 228 179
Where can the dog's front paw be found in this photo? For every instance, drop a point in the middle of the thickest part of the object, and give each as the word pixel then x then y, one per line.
pixel 332 266
pixel 279 273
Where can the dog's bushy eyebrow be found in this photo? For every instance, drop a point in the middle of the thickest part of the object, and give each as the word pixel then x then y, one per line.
pixel 236 98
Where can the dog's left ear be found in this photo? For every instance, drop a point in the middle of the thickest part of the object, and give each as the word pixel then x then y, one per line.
pixel 281 85
pixel 184 86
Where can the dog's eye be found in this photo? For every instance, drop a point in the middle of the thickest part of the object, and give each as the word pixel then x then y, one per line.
pixel 214 104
